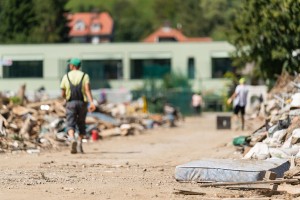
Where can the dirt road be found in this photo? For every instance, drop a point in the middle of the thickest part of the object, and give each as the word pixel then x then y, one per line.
pixel 134 167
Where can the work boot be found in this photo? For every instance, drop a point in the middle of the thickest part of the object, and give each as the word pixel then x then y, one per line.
pixel 79 147
pixel 73 147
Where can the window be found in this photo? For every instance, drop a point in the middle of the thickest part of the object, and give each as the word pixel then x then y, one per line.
pixel 95 27
pixel 79 40
pixel 220 66
pixel 24 69
pixel 79 25
pixel 191 68
pixel 150 68
pixel 167 39
pixel 103 69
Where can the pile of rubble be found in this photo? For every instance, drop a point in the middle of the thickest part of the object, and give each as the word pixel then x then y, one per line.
pixel 271 154
pixel 279 135
pixel 33 126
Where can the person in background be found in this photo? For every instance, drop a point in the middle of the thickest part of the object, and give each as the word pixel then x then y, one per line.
pixel 75 87
pixel 197 102
pixel 170 114
pixel 239 99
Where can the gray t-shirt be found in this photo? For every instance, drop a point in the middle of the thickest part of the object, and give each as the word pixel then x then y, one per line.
pixel 241 97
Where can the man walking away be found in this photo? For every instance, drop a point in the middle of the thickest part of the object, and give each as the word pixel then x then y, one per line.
pixel 239 98
pixel 75 87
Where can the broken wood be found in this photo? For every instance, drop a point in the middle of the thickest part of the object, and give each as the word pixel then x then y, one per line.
pixel 36 105
pixel 3 124
pixel 249 183
pixel 188 192
pixel 271 176
pixel 292 172
pixel 250 198
pixel 26 128
pixel 21 94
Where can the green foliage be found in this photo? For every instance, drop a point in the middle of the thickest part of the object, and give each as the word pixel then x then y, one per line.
pixel 50 28
pixel 17 137
pixel 15 100
pixel 173 88
pixel 131 24
pixel 267 32
pixel 135 19
pixel 17 18
pixel 38 21
pixel 33 21
pixel 174 80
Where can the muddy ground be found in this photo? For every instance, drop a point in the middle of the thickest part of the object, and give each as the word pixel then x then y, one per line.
pixel 132 167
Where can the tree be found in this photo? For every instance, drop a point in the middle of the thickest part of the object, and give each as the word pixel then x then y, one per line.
pixel 217 17
pixel 132 23
pixel 196 18
pixel 33 21
pixel 17 18
pixel 267 32
pixel 135 19
pixel 50 27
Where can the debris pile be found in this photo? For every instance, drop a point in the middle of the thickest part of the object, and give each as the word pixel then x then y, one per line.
pixel 33 126
pixel 276 140
pixel 279 135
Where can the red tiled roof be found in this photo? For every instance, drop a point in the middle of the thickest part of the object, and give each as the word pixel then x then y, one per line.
pixel 103 19
pixel 167 32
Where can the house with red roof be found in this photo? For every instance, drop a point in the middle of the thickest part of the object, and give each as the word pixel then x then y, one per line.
pixel 168 34
pixel 90 27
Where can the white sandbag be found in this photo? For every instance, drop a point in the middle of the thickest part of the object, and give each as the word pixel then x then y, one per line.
pixel 295 101
pixel 260 151
pixel 288 143
pixel 298 155
pixel 272 142
pixel 296 133
pixel 284 153
pixel 278 135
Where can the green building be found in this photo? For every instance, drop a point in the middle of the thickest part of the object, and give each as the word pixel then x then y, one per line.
pixel 116 64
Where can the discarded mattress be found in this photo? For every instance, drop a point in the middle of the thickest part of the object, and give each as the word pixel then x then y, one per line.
pixel 228 170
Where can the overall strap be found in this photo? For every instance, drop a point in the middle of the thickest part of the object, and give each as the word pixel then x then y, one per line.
pixel 81 79
pixel 71 82
pixel 69 79
pixel 76 90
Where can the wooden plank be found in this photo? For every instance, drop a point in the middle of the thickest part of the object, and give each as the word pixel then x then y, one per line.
pixel 188 192
pixel 249 183
pixel 271 176
pixel 249 198
pixel 292 172
pixel 38 104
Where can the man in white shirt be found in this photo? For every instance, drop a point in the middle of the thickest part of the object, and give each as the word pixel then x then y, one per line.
pixel 239 98
pixel 197 103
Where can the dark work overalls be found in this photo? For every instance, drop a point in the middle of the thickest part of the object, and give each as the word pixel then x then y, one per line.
pixel 76 108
